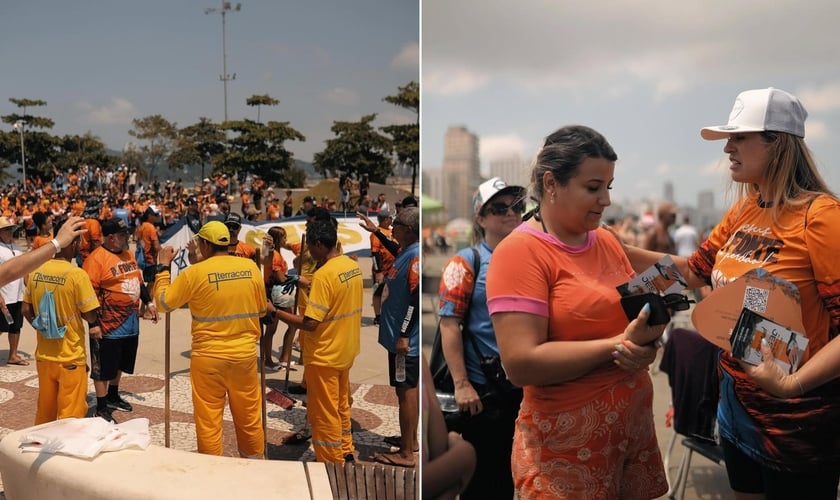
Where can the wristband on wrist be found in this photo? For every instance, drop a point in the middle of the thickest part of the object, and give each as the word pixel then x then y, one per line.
pixel 56 244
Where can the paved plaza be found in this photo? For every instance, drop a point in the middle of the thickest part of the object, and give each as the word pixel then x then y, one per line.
pixel 374 410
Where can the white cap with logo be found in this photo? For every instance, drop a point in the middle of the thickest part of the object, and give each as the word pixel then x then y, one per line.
pixel 761 110
pixel 491 188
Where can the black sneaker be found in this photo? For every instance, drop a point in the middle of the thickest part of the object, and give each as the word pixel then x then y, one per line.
pixel 119 404
pixel 106 414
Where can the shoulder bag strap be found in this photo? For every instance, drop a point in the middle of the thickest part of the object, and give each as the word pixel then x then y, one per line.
pixel 476 270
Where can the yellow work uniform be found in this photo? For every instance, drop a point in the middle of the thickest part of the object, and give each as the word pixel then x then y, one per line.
pixel 62 378
pixel 226 297
pixel 335 300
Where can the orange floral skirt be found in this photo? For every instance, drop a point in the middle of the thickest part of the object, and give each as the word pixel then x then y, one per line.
pixel 606 449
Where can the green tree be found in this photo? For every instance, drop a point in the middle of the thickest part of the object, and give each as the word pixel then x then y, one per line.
pixel 357 148
pixel 28 120
pixel 198 144
pixel 259 149
pixel 39 147
pixel 160 134
pixel 406 138
pixel 261 100
pixel 75 150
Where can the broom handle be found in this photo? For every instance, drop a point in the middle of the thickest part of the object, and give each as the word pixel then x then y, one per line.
pixel 262 390
pixel 167 368
pixel 298 267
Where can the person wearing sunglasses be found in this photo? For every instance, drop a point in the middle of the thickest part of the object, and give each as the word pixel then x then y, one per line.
pixel 585 428
pixel 490 403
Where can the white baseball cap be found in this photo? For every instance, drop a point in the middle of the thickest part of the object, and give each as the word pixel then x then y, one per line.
pixel 760 110
pixel 491 188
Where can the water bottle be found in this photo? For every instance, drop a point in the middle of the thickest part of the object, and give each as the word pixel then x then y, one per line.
pixel 399 368
pixel 447 402
pixel 9 319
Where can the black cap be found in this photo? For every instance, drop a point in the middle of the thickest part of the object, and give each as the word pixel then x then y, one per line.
pixel 409 201
pixel 233 219
pixel 113 226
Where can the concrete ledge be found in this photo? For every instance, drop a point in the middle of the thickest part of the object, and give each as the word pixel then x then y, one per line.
pixel 156 473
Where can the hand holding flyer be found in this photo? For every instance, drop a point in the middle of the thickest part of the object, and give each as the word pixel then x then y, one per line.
pixel 752 329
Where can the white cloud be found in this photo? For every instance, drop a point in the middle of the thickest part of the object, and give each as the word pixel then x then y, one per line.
pixel 451 81
pixel 815 130
pixel 666 45
pixel 341 96
pixel 408 58
pixel 119 111
pixel 714 168
pixel 499 147
pixel 394 118
pixel 817 99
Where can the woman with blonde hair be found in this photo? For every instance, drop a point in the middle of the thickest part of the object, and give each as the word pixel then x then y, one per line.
pixel 778 429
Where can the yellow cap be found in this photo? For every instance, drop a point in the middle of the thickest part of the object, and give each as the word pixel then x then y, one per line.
pixel 215 232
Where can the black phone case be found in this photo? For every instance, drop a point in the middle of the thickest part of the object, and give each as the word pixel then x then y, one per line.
pixel 633 305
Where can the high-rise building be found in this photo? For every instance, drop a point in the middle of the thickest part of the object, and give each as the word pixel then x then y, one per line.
pixel 513 170
pixel 432 182
pixel 668 192
pixel 460 171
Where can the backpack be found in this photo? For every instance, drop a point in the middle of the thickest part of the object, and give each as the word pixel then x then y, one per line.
pixel 441 377
pixel 46 322
pixel 140 256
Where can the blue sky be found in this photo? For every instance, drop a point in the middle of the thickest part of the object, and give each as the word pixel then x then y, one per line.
pixel 99 64
pixel 647 74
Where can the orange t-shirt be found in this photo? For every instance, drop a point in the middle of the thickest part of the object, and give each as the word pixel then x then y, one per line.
pixel 575 289
pixel 147 235
pixel 90 239
pixel 386 260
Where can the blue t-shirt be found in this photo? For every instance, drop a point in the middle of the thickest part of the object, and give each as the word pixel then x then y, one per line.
pixel 402 280
pixel 453 298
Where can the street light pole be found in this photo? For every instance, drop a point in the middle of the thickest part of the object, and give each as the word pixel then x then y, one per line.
pixel 19 127
pixel 225 77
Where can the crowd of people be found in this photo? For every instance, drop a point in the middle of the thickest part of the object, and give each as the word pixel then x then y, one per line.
pixel 551 379
pixel 87 302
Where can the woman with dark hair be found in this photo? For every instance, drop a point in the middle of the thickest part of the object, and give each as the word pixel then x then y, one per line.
pixel 585 428
pixel 276 273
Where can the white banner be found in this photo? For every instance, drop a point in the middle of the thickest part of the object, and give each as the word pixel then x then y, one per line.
pixel 354 240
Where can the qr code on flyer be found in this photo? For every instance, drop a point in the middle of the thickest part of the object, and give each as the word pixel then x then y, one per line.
pixel 755 299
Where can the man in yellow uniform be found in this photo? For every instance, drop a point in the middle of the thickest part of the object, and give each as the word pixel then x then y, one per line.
pixel 226 297
pixel 332 329
pixel 60 355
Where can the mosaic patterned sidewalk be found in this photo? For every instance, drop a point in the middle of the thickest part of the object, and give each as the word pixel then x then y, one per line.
pixel 374 413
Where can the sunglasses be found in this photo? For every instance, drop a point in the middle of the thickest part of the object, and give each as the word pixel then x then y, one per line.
pixel 677 302
pixel 500 208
